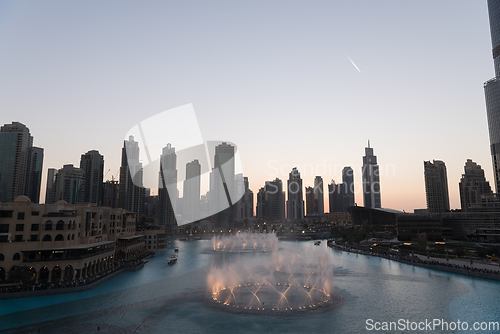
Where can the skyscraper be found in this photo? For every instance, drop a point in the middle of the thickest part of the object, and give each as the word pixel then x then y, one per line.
pixel 271 201
pixel 69 184
pixel 222 184
pixel 50 191
pixel 348 181
pixel 436 186
pixel 319 197
pixel 92 164
pixel 295 202
pixel 371 180
pixel 243 209
pixel 131 191
pixel 18 174
pixel 336 197
pixel 167 188
pixel 191 192
pixel 310 202
pixel 35 174
pixel 472 185
pixel 492 91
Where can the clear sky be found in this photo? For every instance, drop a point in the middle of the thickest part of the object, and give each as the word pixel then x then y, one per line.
pixel 292 83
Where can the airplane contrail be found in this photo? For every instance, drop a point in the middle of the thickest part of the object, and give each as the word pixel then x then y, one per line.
pixel 353 63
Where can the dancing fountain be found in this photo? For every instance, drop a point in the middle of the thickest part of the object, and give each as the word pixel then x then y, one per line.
pixel 245 243
pixel 287 282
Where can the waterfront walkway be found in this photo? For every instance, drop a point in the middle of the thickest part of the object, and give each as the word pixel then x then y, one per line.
pixel 455 265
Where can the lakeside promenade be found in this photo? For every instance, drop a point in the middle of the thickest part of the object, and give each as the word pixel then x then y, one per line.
pixel 457 266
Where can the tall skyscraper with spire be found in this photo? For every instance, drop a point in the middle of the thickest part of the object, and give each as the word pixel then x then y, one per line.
pixel 371 180
pixel 492 91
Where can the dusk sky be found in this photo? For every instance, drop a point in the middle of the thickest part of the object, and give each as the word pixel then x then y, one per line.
pixel 292 83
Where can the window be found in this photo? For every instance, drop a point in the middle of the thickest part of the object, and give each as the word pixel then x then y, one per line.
pixel 18 237
pixel 48 226
pixel 4 228
pixel 16 257
pixel 59 237
pixel 4 238
pixel 35 227
pixel 20 216
pixel 34 237
pixel 47 237
pixel 5 213
pixel 35 213
pixel 2 258
pixel 19 227
pixel 60 225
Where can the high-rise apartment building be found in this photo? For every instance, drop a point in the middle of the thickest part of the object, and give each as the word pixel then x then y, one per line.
pixel 69 184
pixel 436 186
pixel 243 209
pixel 271 201
pixel 35 174
pixel 295 202
pixel 92 164
pixel 167 188
pixel 50 191
pixel 222 188
pixel 371 180
pixel 337 197
pixel 310 202
pixel 473 185
pixel 191 192
pixel 131 191
pixel 492 91
pixel 20 163
pixel 319 197
pixel 348 181
pixel 223 173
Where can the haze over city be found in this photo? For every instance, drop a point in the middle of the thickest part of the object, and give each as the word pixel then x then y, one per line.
pixel 292 84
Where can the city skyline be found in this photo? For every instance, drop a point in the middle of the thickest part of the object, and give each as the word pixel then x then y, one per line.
pixel 261 81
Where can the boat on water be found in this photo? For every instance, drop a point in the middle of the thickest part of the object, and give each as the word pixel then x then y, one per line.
pixel 176 249
pixel 172 260
pixel 317 243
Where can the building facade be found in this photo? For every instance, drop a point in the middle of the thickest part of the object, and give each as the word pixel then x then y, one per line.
pixel 61 241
